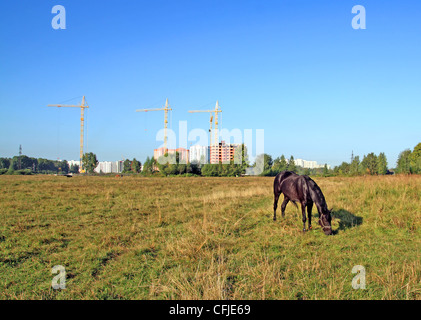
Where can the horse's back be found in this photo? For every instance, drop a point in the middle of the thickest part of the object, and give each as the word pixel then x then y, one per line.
pixel 280 178
pixel 283 175
pixel 293 186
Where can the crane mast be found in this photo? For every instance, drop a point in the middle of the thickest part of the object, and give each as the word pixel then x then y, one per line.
pixel 82 107
pixel 165 109
pixel 213 114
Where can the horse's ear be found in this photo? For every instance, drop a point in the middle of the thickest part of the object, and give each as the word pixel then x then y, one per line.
pixel 331 210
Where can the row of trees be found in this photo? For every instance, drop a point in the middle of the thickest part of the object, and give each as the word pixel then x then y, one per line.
pixel 172 164
pixel 236 167
pixel 371 164
pixel 409 162
pixel 29 165
pixel 132 166
pixel 273 167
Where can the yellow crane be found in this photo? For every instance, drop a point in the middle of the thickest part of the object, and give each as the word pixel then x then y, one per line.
pixel 82 107
pixel 215 112
pixel 166 109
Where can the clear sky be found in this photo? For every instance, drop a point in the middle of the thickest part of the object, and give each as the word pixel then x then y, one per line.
pixel 296 69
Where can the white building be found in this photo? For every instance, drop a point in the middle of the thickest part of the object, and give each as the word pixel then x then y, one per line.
pixel 73 162
pixel 109 167
pixel 309 164
pixel 199 154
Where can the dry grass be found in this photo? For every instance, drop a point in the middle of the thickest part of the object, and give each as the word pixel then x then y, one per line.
pixel 205 238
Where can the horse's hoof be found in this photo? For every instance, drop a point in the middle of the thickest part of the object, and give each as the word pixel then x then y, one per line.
pixel 304 230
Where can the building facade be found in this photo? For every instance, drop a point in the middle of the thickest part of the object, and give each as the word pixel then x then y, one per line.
pixel 182 152
pixel 109 167
pixel 73 162
pixel 309 164
pixel 199 154
pixel 222 153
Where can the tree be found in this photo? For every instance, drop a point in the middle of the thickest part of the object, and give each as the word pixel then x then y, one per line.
pixel 280 164
pixel 325 170
pixel 381 164
pixel 89 162
pixel 403 165
pixel 415 159
pixel 343 169
pixel 267 162
pixel 369 163
pixel 240 152
pixel 64 165
pixel 74 168
pixel 210 170
pixel 291 164
pixel 264 164
pixel 135 166
pixel 182 169
pixel 46 166
pixel 148 165
pixel 127 166
pixel 4 163
pixel 355 167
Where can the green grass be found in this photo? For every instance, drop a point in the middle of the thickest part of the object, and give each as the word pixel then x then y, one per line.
pixel 205 238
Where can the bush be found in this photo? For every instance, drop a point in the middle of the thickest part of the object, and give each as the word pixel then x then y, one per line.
pixel 25 172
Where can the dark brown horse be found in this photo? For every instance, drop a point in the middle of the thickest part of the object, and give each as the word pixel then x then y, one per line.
pixel 304 190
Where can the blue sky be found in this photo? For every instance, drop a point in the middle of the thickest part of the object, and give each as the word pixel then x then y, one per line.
pixel 296 69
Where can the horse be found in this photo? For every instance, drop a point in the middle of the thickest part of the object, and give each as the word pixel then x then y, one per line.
pixel 304 190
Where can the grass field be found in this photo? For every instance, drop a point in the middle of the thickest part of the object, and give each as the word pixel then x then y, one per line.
pixel 205 238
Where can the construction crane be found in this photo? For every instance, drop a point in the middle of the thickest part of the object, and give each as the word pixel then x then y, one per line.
pixel 212 114
pixel 82 107
pixel 166 109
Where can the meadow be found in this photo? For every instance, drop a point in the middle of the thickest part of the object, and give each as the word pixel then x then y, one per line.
pixel 206 238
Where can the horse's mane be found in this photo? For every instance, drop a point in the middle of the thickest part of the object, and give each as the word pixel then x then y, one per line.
pixel 319 197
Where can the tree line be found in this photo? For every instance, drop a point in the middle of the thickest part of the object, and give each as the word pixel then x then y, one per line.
pixel 371 164
pixel 409 162
pixel 171 164
pixel 24 165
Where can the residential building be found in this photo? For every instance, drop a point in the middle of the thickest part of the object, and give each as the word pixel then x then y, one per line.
pixel 73 162
pixel 308 164
pixel 182 152
pixel 222 153
pixel 199 154
pixel 109 167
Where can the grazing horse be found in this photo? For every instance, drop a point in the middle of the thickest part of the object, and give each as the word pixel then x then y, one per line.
pixel 304 190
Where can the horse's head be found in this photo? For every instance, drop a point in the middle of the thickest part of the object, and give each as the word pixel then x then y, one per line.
pixel 325 222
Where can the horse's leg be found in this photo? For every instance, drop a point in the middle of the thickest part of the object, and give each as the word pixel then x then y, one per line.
pixel 309 208
pixel 303 211
pixel 283 206
pixel 275 205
